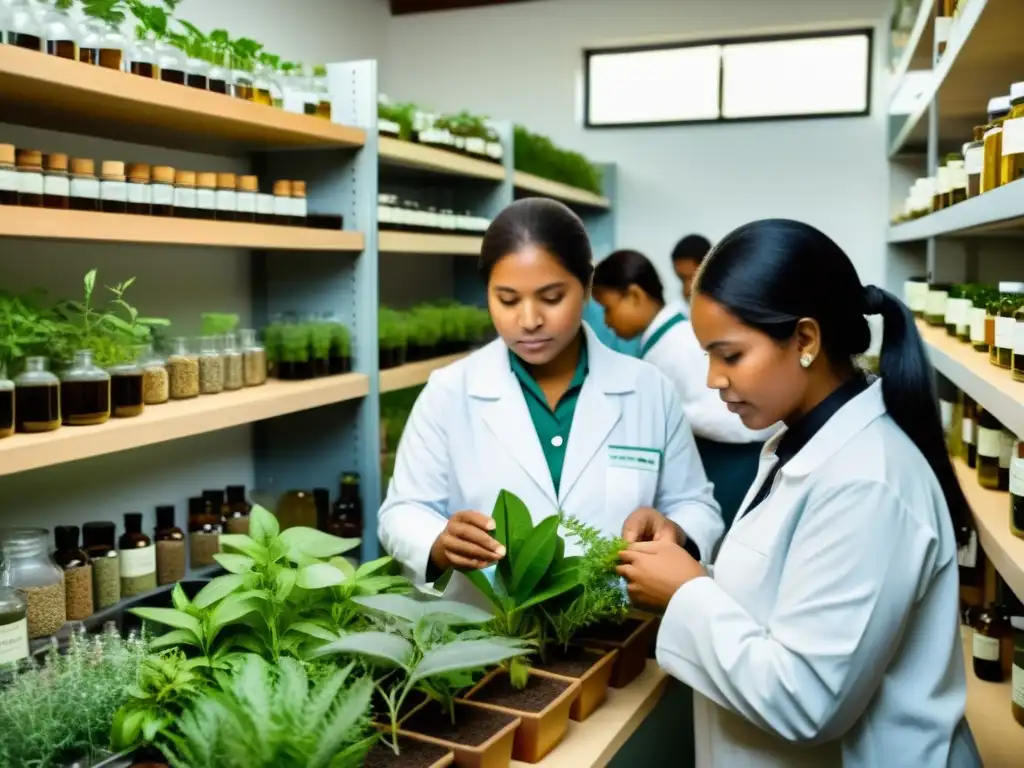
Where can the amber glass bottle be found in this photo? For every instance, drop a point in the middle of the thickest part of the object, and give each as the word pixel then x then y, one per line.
pixel 970 432
pixel 989 449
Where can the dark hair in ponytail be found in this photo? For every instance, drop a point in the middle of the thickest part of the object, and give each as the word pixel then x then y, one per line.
pixel 624 268
pixel 772 273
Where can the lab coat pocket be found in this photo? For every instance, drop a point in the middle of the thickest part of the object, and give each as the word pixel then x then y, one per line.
pixel 626 490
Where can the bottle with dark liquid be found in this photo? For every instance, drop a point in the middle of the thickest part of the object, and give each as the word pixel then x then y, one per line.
pixel 261 85
pixel 161 190
pixel 102 45
pixel 84 186
pixel 138 558
pixel 61 34
pixel 56 183
pixel 992 645
pixel 217 506
pixel 113 188
pixel 238 510
pixel 126 391
pixel 204 532
pixel 227 197
pixel 24 27
pixel 142 57
pixel 242 78
pixel 138 192
pixel 185 194
pixel 989 449
pixel 322 499
pixel 219 75
pixel 970 432
pixel 30 178
pixel 970 560
pixel 6 404
pixel 347 514
pixel 206 196
pixel 170 547
pixel 171 63
pixel 8 175
pixel 198 73
pixel 37 398
pixel 950 412
pixel 84 392
pixel 1006 441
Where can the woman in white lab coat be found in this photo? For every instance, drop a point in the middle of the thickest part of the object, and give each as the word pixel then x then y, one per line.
pixel 627 285
pixel 545 411
pixel 826 632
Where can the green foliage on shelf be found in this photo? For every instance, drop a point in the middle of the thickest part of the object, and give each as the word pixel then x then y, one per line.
pixel 403 113
pixel 538 155
pixel 392 329
pixel 427 325
pixel 294 341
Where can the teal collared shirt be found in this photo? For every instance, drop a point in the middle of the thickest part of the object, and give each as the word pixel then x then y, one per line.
pixel 552 425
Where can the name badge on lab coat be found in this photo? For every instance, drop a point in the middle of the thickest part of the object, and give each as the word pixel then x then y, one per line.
pixel 631 457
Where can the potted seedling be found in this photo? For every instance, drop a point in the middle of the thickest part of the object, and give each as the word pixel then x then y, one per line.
pixel 429 324
pixel 537 154
pixel 321 336
pixel 391 334
pixel 294 361
pixel 272 345
pixel 341 350
pixel 453 320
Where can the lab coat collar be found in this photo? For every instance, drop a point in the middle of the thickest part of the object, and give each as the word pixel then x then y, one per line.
pixel 664 315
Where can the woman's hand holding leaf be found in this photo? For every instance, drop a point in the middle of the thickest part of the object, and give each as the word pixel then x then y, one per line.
pixel 466 543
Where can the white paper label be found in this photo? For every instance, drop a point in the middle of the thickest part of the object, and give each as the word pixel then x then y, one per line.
pixel 977 316
pixel 1018 338
pixel 968 430
pixel 138 562
pixel 246 202
pixel 57 185
pixel 282 205
pixel 1017 477
pixel 114 191
pixel 936 303
pixel 974 161
pixel 8 180
pixel 967 555
pixel 388 126
pixel 985 648
pixel 989 443
pixel 1006 441
pixel 163 194
pixel 299 207
pixel 991 132
pixel 185 197
pixel 30 183
pixel 227 200
pixel 1013 136
pixel 206 199
pixel 87 188
pixel 1004 332
pixel 943 25
pixel 946 412
pixel 1017 686
pixel 139 194
pixel 265 204
pixel 943 185
pixel 14 642
pixel 956 311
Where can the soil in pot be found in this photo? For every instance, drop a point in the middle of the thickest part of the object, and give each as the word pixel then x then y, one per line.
pixel 472 726
pixel 570 662
pixel 591 667
pixel 321 367
pixel 379 707
pixel 633 639
pixel 612 633
pixel 413 754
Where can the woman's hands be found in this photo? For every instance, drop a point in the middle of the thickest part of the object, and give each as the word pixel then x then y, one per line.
pixel 648 524
pixel 655 566
pixel 466 544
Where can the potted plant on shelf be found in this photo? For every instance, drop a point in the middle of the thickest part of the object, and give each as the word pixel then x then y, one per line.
pixel 340 360
pixel 537 154
pixel 392 330
pixel 321 336
pixel 294 352
pixel 427 327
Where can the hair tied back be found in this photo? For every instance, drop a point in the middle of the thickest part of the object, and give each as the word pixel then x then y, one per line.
pixel 874 300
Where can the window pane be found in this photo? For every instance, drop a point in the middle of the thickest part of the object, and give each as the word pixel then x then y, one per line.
pixel 824 75
pixel 653 86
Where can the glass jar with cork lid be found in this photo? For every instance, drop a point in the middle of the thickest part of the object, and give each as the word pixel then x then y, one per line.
pixel 113 187
pixel 56 182
pixel 206 196
pixel 991 174
pixel 84 392
pixel 139 194
pixel 30 178
pixel 227 197
pixel 185 196
pixel 84 187
pixel 248 192
pixel 8 176
pixel 161 189
pixel 37 398
pixel 1012 146
pixel 300 209
pixel 25 564
pixel 282 202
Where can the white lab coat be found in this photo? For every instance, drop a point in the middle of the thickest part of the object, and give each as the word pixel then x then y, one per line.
pixel 679 356
pixel 470 435
pixel 828 633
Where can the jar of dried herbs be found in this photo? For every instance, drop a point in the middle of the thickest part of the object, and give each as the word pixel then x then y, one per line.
pixel 183 370
pixel 234 363
pixel 29 568
pixel 156 387
pixel 254 359
pixel 126 390
pixel 77 572
pixel 211 366
pixel 170 547
pixel 99 539
pixel 204 529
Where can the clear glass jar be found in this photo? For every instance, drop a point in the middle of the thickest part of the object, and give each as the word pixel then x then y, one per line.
pixel 211 366
pixel 142 56
pixel 262 84
pixel 156 388
pixel 991 174
pixel 102 45
pixel 183 370
pixel 219 75
pixel 28 567
pixel 6 405
pixel 254 359
pixel 126 390
pixel 61 33
pixel 234 363
pixel 37 398
pixel 242 78
pixel 319 94
pixel 84 392
pixel 198 73
pixel 172 63
pixel 13 627
pixel 25 26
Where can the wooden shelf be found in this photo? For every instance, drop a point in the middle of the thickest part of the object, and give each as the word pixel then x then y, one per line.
pixel 49 92
pixel 992 518
pixel 177 419
pixel 407 154
pixel 999 212
pixel 1000 738
pixel 46 224
pixel 414 374
pixel 414 242
pixel 540 186
pixel 971 371
pixel 592 743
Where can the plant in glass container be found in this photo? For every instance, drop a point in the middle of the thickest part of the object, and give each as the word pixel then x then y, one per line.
pixel 341 349
pixel 294 352
pixel 198 48
pixel 429 324
pixel 321 335
pixel 392 334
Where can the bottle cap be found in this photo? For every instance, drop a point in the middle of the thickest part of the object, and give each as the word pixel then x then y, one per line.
pixel 163 174
pixel 83 166
pixel 196 506
pixel 248 183
pixel 283 188
pixel 236 494
pixel 998 106
pixel 206 180
pixel 139 172
pixel 30 158
pixel 133 522
pixel 298 189
pixel 99 534
pixel 164 517
pixel 7 154
pixel 227 180
pixel 112 169
pixel 56 161
pixel 1017 91
pixel 66 536
pixel 185 178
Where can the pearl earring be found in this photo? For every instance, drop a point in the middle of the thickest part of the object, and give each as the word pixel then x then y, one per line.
pixel 806 360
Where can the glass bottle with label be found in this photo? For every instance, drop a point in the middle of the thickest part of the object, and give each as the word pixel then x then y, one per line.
pixel 1017 490
pixel 84 187
pixel 30 178
pixel 204 528
pixel 37 398
pixel 217 504
pixel 99 539
pixel 970 432
pixel 993 639
pixel 1016 674
pixel 963 317
pixel 974 161
pixel 113 187
pixel 1006 441
pixel 1012 148
pixel 952 414
pixel 238 510
pixel 161 190
pixel 138 558
pixel 8 176
pixel 295 509
pixel 282 202
pixel 185 195
pixel 170 547
pixel 84 392
pixel 206 196
pixel 77 569
pixel 940 194
pixel 227 197
pixel 955 308
pixel 28 567
pixel 56 183
pixel 957 179
pixel 300 209
pixel 1006 324
pixel 6 404
pixel 140 197
pixel 989 450
pixel 347 514
pixel 13 626
pixel 248 191
pixel 977 315
pixel 991 174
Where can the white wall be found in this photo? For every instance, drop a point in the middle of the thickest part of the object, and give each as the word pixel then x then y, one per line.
pixel 523 62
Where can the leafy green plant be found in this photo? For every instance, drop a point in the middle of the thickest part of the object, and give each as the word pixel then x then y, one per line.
pixel 403 113
pixel 271 717
pixel 24 329
pixel 341 340
pixel 295 343
pixel 538 155
pixel 418 642
pixel 428 322
pixel 338 603
pixel 320 337
pixel 464 124
pixel 218 323
pixel 392 330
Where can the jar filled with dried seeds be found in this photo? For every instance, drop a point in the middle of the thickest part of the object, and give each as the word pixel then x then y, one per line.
pixel 234 362
pixel 211 366
pixel 99 540
pixel 77 572
pixel 28 567
pixel 156 387
pixel 254 358
pixel 183 369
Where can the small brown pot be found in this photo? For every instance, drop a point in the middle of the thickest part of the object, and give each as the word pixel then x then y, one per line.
pixel 633 648
pixel 389 758
pixel 495 752
pixel 593 683
pixel 541 731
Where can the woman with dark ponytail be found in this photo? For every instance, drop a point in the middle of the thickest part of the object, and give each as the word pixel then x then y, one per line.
pixel 826 633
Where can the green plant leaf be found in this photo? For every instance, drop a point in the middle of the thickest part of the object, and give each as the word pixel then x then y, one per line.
pixel 234 563
pixel 463 655
pixel 263 526
pixel 174 638
pixel 285 583
pixel 228 611
pixel 483 584
pixel 313 630
pixel 344 565
pixel 244 544
pixel 319 576
pixel 562 583
pixel 449 612
pixel 316 543
pixel 511 519
pixel 533 559
pixel 373 566
pixel 217 589
pixel 179 599
pixel 381 647
pixel 170 617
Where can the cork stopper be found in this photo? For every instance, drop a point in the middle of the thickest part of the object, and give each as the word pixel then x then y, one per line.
pixel 283 188
pixel 113 170
pixel 248 184
pixel 163 174
pixel 185 178
pixel 298 189
pixel 139 172
pixel 30 158
pixel 7 154
pixel 206 180
pixel 227 180
pixel 57 161
pixel 83 166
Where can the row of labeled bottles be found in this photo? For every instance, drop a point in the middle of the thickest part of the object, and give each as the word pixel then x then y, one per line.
pixel 314 509
pixel 997 644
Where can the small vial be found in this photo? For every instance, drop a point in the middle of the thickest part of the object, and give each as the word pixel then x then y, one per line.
pixel 8 176
pixel 84 186
pixel 56 184
pixel 113 188
pixel 300 210
pixel 161 189
pixel 206 196
pixel 248 191
pixel 227 197
pixel 185 195
pixel 265 208
pixel 282 202
pixel 140 197
pixel 30 178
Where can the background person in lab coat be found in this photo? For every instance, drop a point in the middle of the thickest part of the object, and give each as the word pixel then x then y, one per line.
pixel 827 633
pixel 627 285
pixel 687 256
pixel 545 411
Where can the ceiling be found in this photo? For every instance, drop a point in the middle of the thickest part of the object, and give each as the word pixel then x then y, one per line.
pixel 405 7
